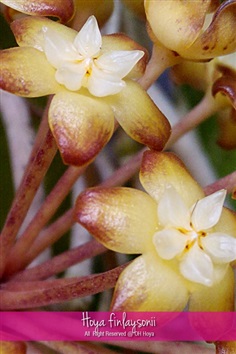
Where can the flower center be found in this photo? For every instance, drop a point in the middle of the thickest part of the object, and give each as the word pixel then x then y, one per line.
pixel 192 237
pixel 80 62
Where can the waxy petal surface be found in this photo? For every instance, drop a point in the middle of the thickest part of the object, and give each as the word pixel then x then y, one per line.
pixel 219 297
pixel 227 223
pixel 26 72
pixel 57 49
pixel 139 116
pixel 197 266
pixel 122 219
pixel 172 211
pixel 63 9
pixel 179 25
pixel 147 284
pixel 103 84
pixel 221 247
pixel 28 31
pixel 219 38
pixel 226 85
pixel 120 62
pixel 71 75
pixel 88 41
pixel 80 125
pixel 169 243
pixel 207 211
pixel 175 23
pixel 121 42
pixel 162 170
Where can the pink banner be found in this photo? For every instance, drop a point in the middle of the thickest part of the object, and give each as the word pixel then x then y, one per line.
pixel 105 326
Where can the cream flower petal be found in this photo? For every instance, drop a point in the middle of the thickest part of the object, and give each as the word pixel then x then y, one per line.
pixel 147 284
pixel 220 269
pixel 207 211
pixel 119 63
pixel 88 41
pixel 218 297
pixel 169 243
pixel 221 247
pixel 63 9
pixel 57 49
pixel 161 170
pixel 81 126
pixel 227 223
pixel 219 38
pixel 121 42
pixel 175 23
pixel 123 219
pixel 28 31
pixel 197 266
pixel 172 211
pixel 102 84
pixel 139 116
pixel 26 72
pixel 71 75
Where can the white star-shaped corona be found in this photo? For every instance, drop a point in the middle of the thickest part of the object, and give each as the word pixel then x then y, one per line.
pixel 83 63
pixel 188 235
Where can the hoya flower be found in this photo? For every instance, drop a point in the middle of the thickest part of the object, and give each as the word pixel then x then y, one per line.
pixel 61 9
pixel 72 12
pixel 91 77
pixel 185 240
pixel 218 79
pixel 194 30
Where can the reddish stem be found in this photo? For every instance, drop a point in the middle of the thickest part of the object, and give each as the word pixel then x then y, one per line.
pixel 32 178
pixel 161 59
pixel 203 110
pixel 61 262
pixel 50 235
pixel 47 210
pixel 227 182
pixel 23 295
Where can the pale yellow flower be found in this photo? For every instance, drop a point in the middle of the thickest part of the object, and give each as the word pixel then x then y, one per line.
pixel 61 9
pixel 194 30
pixel 92 78
pixel 186 240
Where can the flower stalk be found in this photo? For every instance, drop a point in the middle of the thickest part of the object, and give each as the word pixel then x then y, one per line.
pixel 47 210
pixel 34 174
